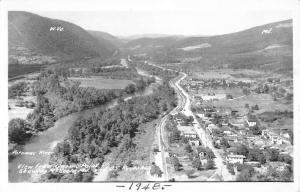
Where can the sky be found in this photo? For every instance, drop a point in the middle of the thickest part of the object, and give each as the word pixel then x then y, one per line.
pixel 173 17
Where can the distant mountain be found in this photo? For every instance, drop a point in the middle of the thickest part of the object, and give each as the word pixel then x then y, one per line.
pixel 103 35
pixel 266 47
pixel 146 44
pixel 34 40
pixel 140 36
pixel 247 40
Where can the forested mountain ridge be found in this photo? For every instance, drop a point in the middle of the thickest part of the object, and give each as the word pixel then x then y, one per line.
pixel 267 47
pixel 103 35
pixel 39 40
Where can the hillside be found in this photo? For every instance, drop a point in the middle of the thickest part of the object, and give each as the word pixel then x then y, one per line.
pixel 39 40
pixel 116 42
pixel 266 47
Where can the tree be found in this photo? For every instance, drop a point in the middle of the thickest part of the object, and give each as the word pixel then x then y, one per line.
pixel 130 89
pixel 246 91
pixel 210 164
pixel 255 130
pixel 17 90
pixel 242 150
pixel 272 154
pixel 176 163
pixel 246 174
pixel 113 174
pixel 196 163
pixel 228 96
pixel 256 107
pixel 188 148
pixel 155 170
pixel 291 135
pixel 17 131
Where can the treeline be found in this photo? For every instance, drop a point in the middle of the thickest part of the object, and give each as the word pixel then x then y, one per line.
pixel 93 137
pixel 17 89
pixel 166 75
pixel 57 97
pixel 111 72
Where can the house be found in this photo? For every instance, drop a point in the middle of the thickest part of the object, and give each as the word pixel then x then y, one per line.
pixel 211 127
pixel 227 132
pixel 285 135
pixel 243 132
pixel 231 158
pixel 191 134
pixel 194 142
pixel 202 155
pixel 251 120
pixel 201 114
pixel 276 139
pixel 265 133
pixel 253 163
pixel 234 112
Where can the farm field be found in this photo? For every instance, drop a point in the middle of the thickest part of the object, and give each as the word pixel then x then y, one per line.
pixel 230 74
pixel 264 101
pixel 235 92
pixel 99 82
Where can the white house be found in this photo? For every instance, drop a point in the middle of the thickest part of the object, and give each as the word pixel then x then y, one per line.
pixel 235 158
pixel 276 139
pixel 194 142
pixel 251 121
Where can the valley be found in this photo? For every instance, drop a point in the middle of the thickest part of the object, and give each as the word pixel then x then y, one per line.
pixel 100 108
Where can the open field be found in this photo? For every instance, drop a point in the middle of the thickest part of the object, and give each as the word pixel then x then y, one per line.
pixel 19 112
pixel 99 82
pixel 235 92
pixel 15 70
pixel 264 101
pixel 230 74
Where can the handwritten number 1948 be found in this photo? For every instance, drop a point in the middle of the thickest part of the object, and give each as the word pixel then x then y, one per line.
pixel 145 186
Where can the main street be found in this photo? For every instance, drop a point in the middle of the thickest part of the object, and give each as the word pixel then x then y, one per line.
pixel 184 105
pixel 221 168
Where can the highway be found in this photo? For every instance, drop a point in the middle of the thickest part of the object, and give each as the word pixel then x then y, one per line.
pixel 221 168
pixel 160 157
pixel 184 105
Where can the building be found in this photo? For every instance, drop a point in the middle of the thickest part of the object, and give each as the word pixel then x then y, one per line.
pixel 265 133
pixel 201 114
pixel 211 127
pixel 194 142
pixel 276 139
pixel 188 131
pixel 190 134
pixel 251 121
pixel 231 158
pixel 253 163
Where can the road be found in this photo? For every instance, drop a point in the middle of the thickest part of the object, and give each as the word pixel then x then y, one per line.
pixel 184 105
pixel 221 168
pixel 160 157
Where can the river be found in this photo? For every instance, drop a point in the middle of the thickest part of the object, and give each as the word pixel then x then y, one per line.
pixel 37 151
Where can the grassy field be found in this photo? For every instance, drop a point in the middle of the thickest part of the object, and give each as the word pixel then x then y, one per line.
pixel 99 82
pixel 235 92
pixel 264 101
pixel 17 70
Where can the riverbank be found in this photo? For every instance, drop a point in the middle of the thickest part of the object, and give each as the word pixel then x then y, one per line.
pixel 47 140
